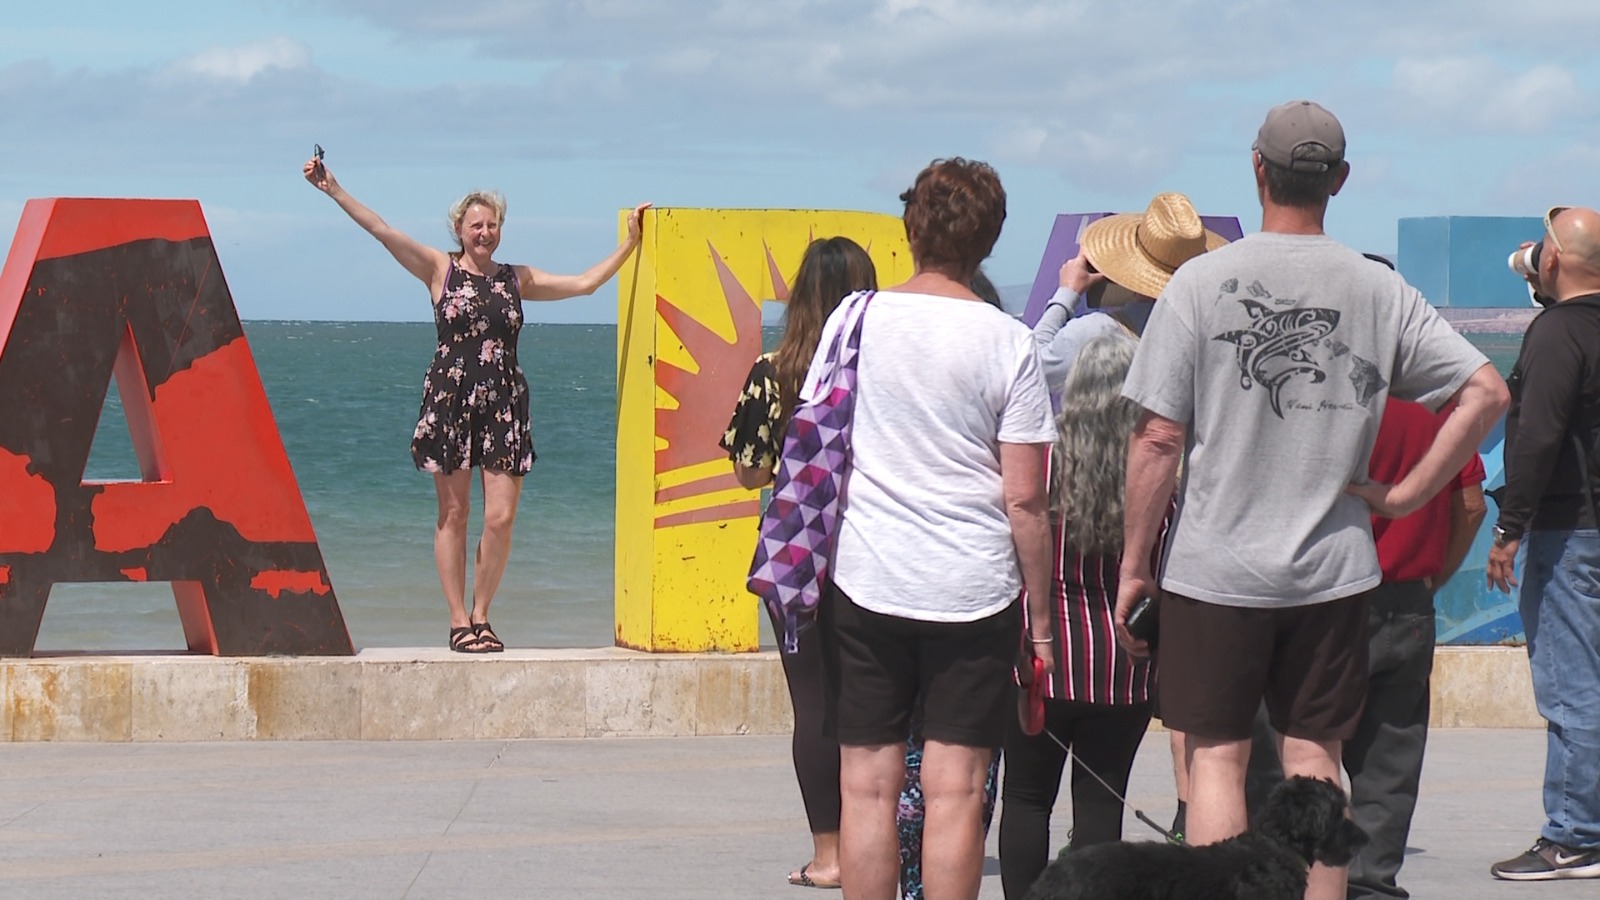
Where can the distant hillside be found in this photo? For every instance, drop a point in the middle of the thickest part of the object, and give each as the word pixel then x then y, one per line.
pixel 1014 297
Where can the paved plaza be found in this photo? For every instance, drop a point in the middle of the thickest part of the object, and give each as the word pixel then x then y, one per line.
pixel 658 818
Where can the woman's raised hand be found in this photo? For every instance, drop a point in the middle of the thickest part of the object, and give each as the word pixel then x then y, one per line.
pixel 316 172
pixel 636 222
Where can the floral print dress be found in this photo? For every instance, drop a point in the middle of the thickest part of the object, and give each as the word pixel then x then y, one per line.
pixel 755 433
pixel 474 397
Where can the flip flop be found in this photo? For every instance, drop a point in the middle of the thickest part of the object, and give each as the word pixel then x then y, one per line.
pixel 803 879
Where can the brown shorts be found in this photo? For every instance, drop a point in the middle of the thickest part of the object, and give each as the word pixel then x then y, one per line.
pixel 1219 663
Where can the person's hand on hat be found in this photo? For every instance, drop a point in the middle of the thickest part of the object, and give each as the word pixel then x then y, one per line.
pixel 1077 275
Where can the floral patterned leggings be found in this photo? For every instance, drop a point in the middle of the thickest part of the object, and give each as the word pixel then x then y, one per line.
pixel 908 816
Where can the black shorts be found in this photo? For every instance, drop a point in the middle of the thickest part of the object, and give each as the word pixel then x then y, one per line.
pixel 879 668
pixel 1219 663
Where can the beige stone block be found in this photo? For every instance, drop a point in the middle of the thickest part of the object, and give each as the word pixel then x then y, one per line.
pixel 1483 687
pixel 641 697
pixel 743 694
pixel 205 699
pixel 82 699
pixel 307 699
pixel 424 701
pixel 529 698
pixel 5 701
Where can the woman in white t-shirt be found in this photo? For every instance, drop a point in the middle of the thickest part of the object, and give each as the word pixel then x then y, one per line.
pixel 944 521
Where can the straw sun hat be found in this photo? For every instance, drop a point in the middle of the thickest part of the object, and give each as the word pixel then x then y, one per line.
pixel 1140 251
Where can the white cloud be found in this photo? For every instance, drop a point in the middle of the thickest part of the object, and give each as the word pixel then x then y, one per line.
pixel 241 64
pixel 1567 175
pixel 1114 97
pixel 1105 92
pixel 1482 94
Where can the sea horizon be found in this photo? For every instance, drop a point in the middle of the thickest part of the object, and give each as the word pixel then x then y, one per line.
pixel 344 395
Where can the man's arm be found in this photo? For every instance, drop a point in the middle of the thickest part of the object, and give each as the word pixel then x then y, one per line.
pixel 1549 362
pixel 1552 366
pixel 1480 403
pixel 1467 511
pixel 1154 453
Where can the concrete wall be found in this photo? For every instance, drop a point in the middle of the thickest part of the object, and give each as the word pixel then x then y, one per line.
pixel 436 695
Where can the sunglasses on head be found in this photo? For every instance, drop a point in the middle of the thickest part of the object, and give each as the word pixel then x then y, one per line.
pixel 1549 225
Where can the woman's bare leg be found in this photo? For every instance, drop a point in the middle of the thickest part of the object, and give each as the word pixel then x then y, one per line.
pixel 953 778
pixel 501 491
pixel 450 541
pixel 870 778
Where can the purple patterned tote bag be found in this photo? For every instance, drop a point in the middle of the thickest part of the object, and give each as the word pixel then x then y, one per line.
pixel 798 530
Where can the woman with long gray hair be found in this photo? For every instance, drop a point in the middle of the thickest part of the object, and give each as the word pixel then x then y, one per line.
pixel 1098 698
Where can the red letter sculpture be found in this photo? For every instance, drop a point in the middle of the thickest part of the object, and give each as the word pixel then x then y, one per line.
pixel 133 288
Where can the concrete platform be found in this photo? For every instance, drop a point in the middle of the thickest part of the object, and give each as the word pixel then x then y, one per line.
pixel 658 818
pixel 427 694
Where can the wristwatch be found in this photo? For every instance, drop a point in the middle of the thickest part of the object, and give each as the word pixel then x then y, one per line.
pixel 1502 537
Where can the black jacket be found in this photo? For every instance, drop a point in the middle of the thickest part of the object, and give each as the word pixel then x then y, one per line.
pixel 1555 393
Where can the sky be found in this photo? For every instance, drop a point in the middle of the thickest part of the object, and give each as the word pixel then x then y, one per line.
pixel 577 108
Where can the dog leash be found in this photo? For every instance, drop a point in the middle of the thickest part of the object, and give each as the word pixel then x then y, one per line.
pixel 1138 813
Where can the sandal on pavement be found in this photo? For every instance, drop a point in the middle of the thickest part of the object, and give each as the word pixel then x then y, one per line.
pixel 803 878
pixel 466 640
pixel 485 634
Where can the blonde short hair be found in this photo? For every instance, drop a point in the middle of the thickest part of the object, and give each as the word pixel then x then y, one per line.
pixel 490 199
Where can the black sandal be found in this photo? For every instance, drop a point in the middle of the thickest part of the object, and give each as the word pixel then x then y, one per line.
pixel 486 636
pixel 466 640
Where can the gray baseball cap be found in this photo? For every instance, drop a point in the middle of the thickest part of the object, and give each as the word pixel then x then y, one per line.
pixel 1302 136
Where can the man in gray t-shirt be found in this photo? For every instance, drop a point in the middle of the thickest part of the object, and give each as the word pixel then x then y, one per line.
pixel 1269 361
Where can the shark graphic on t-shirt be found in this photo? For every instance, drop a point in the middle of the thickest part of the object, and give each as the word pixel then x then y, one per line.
pixel 1273 350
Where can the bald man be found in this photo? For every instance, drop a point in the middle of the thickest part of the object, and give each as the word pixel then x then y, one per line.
pixel 1549 505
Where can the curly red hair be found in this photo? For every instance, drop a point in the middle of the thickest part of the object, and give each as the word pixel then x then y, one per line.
pixel 953 215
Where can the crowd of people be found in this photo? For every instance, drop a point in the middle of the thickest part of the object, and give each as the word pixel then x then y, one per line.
pixel 1275 438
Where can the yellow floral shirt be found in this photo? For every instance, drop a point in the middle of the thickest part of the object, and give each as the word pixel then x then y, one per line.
pixel 755 432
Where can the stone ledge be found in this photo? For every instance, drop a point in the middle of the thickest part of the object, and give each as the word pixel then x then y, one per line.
pixel 428 694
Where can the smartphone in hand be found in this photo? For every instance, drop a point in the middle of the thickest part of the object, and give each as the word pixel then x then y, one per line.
pixel 316 156
pixel 1144 621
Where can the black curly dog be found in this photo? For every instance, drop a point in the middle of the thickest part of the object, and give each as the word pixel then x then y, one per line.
pixel 1304 820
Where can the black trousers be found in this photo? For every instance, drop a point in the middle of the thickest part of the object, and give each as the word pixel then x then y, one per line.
pixel 816 756
pixel 1384 759
pixel 1104 738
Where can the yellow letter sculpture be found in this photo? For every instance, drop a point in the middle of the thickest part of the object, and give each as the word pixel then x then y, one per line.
pixel 688 330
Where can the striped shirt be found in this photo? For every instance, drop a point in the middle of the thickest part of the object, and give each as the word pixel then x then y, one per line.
pixel 1091 667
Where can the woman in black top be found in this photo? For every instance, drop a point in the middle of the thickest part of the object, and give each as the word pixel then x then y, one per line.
pixel 831 269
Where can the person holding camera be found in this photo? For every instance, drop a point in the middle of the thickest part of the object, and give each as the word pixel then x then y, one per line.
pixel 1097 701
pixel 1552 465
pixel 1264 368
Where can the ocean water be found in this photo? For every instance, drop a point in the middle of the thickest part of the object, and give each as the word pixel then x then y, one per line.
pixel 345 397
